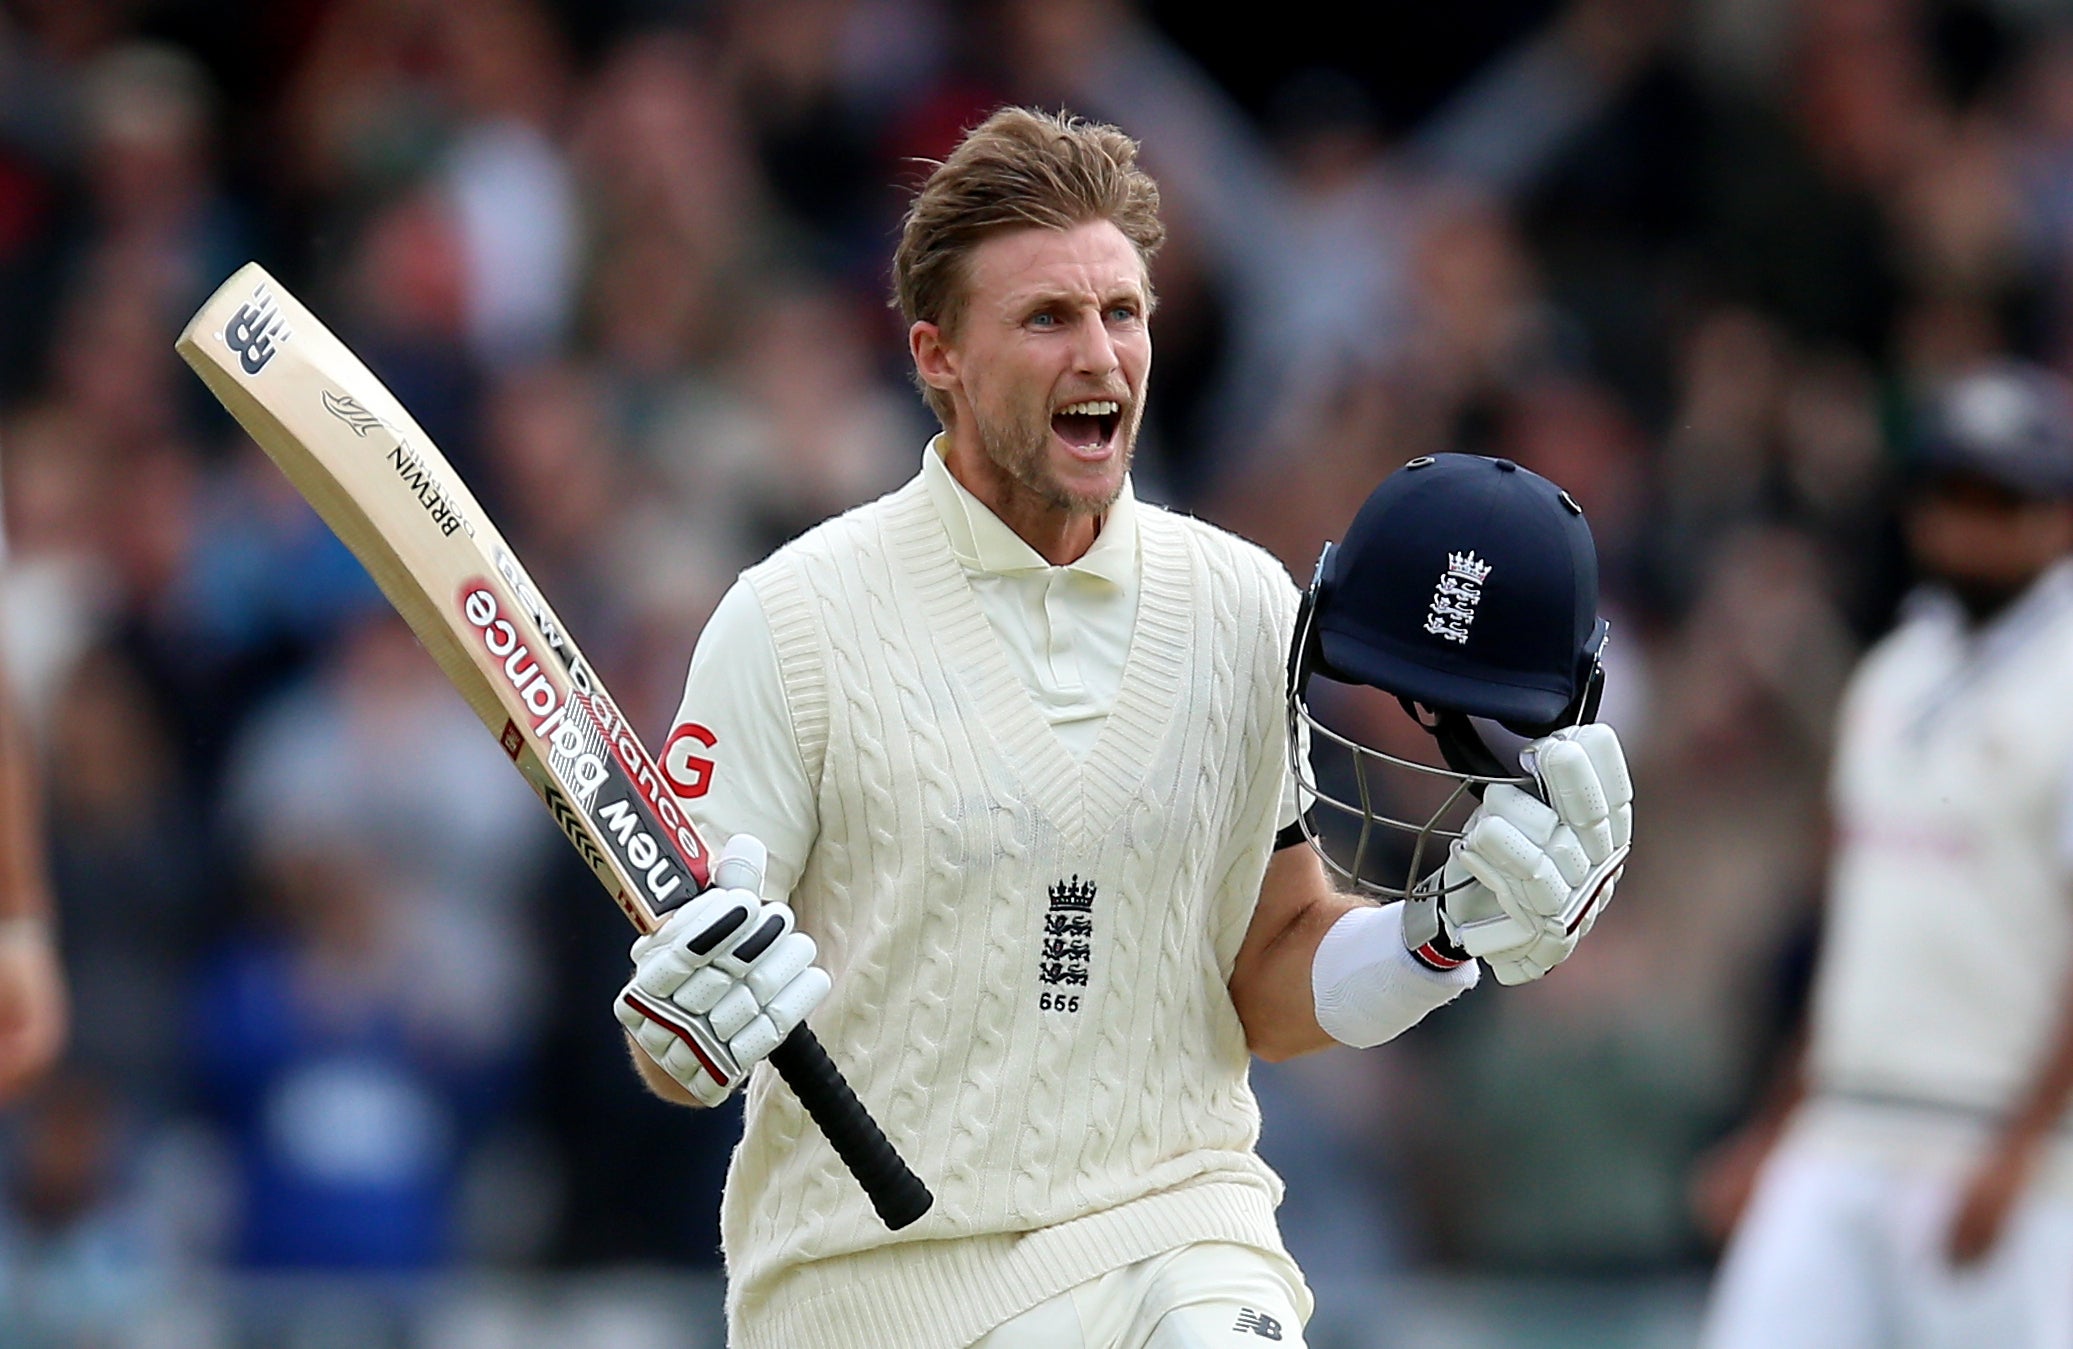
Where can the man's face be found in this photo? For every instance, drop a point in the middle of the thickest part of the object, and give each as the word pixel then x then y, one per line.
pixel 1046 367
pixel 1984 541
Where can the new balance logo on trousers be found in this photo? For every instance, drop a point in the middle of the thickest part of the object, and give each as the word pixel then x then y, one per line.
pixel 1259 1323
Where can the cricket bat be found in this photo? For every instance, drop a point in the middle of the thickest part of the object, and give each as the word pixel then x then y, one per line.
pixel 374 476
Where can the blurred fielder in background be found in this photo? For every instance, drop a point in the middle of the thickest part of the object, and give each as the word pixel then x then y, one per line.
pixel 1922 1191
pixel 32 986
pixel 1015 745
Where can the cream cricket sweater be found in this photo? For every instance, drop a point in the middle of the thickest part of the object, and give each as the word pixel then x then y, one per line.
pixel 1030 950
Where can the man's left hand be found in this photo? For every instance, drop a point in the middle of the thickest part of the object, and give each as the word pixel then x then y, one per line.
pixel 1530 875
pixel 1988 1198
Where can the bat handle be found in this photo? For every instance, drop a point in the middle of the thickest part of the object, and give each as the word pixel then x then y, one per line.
pixel 894 1190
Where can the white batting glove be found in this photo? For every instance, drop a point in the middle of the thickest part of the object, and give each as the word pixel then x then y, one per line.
pixel 723 981
pixel 1533 875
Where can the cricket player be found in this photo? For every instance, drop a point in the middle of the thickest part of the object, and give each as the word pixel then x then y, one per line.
pixel 1921 1190
pixel 32 987
pixel 1014 747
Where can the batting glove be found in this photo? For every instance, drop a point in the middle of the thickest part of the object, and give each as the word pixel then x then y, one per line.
pixel 723 981
pixel 1529 876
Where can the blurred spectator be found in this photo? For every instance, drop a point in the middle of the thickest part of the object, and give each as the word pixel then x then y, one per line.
pixel 506 180
pixel 80 1257
pixel 60 588
pixel 792 428
pixel 809 122
pixel 1578 433
pixel 137 885
pixel 33 995
pixel 34 998
pixel 358 1037
pixel 1317 242
pixel 330 1051
pixel 377 754
pixel 157 204
pixel 38 142
pixel 676 206
pixel 628 564
pixel 407 317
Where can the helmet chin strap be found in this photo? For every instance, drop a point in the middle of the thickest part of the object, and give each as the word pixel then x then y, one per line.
pixel 1461 747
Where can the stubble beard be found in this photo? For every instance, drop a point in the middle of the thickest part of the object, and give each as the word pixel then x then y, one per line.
pixel 1019 444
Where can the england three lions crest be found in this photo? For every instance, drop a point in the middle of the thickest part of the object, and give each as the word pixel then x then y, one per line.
pixel 1454 600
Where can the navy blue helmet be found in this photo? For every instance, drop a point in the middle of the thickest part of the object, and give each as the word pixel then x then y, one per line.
pixel 2006 421
pixel 1467 588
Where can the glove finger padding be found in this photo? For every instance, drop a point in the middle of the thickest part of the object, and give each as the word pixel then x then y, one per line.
pixel 1610 763
pixel 703 990
pixel 756 939
pixel 675 953
pixel 781 1013
pixel 784 962
pixel 1531 962
pixel 797 999
pixel 733 1012
pixel 663 970
pixel 1541 828
pixel 1476 920
pixel 1569 857
pixel 1583 770
pixel 702 927
pixel 1519 899
pixel 1566 774
pixel 1527 813
pixel 1493 844
pixel 686 1068
pixel 683 1046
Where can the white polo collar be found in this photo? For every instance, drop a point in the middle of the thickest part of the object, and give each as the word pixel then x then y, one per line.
pixel 983 543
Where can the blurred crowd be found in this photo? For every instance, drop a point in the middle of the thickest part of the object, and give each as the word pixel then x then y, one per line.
pixel 626 263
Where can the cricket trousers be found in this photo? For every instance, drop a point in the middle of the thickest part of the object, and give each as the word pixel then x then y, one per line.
pixel 1841 1252
pixel 1211 1295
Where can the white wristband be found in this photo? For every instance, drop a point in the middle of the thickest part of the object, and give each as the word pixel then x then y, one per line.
pixel 1368 988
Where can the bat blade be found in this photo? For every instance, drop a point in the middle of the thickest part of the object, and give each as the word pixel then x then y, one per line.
pixel 384 488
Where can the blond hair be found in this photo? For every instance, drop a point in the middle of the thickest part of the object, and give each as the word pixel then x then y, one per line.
pixel 1018 168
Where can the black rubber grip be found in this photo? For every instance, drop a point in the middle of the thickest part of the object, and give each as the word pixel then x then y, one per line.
pixel 895 1191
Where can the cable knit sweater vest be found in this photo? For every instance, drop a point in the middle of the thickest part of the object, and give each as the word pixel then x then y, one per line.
pixel 1030 950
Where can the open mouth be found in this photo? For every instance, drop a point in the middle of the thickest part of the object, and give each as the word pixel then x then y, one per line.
pixel 1088 427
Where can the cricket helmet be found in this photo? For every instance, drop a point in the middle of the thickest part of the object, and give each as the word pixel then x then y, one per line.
pixel 1467 588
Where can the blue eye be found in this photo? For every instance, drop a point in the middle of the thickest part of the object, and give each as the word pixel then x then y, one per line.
pixel 1122 313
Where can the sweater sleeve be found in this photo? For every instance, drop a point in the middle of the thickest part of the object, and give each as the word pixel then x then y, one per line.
pixel 733 753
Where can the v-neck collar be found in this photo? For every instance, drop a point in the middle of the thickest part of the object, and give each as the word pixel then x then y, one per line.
pixel 1082 797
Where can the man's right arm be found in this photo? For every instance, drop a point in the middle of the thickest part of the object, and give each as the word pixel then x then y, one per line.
pixel 732 756
pixel 733 759
pixel 32 985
